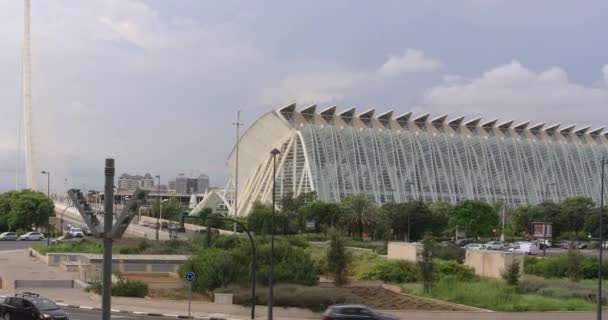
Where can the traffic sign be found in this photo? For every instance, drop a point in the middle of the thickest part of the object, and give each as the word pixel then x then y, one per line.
pixel 310 224
pixel 190 276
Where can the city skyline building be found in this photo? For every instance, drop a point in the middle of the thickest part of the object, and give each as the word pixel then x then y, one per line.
pixel 408 157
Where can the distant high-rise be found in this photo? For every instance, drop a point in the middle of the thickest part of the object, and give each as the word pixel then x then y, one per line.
pixel 186 185
pixel 129 182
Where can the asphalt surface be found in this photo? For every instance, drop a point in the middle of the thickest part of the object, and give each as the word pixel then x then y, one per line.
pixel 83 314
pixel 18 245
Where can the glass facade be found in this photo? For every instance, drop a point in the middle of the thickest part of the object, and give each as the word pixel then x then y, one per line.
pixel 394 165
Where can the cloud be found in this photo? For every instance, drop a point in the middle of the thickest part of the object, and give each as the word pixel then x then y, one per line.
pixel 605 72
pixel 312 87
pixel 513 91
pixel 411 61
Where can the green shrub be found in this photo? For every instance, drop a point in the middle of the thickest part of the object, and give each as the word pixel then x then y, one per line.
pixel 135 289
pixel 452 268
pixel 573 265
pixel 314 298
pixel 511 274
pixel 558 267
pixel 338 259
pixel 215 268
pixel 393 271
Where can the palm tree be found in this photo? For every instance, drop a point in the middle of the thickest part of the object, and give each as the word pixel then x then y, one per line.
pixel 359 213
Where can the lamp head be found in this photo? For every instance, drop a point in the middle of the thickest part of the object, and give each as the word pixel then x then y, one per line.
pixel 275 151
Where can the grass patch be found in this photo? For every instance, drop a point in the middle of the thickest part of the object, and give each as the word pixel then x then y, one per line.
pixel 496 295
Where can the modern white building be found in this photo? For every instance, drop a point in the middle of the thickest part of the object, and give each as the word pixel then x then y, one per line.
pixel 404 157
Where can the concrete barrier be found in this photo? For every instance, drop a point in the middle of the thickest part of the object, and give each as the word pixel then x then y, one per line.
pixel 404 251
pixel 44 284
pixel 488 263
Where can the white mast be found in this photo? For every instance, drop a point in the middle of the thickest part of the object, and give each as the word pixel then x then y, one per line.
pixel 27 99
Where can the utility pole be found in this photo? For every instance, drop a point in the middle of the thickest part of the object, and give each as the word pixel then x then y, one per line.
pixel 238 124
pixel 159 206
pixel 106 298
pixel 504 220
pixel 48 195
pixel 599 265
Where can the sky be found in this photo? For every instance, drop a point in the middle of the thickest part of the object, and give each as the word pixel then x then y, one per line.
pixel 157 84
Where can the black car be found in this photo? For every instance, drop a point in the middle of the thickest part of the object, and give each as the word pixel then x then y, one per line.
pixel 354 312
pixel 30 306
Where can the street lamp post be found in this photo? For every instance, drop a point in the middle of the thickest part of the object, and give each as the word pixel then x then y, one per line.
pixel 545 222
pixel 48 194
pixel 159 208
pixel 409 213
pixel 274 154
pixel 601 236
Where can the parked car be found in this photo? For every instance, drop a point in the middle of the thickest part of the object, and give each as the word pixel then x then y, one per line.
pixel 176 228
pixel 496 245
pixel 463 242
pixel 29 305
pixel 475 246
pixel 526 248
pixel 8 236
pixel 354 311
pixel 76 232
pixel 145 224
pixel 67 238
pixel 164 225
pixel 32 235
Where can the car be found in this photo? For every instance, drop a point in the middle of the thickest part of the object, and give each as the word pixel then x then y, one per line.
pixel 354 311
pixel 30 306
pixel 463 242
pixel 526 248
pixel 145 224
pixel 76 232
pixel 475 246
pixel 164 225
pixel 67 238
pixel 32 235
pixel 495 245
pixel 8 236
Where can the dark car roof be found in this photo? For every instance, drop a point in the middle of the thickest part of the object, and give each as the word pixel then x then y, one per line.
pixel 349 306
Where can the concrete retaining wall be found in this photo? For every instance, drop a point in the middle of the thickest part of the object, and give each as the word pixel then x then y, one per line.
pixel 44 284
pixel 487 263
pixel 404 251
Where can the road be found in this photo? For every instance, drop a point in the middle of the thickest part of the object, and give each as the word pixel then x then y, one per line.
pixel 18 245
pixel 83 314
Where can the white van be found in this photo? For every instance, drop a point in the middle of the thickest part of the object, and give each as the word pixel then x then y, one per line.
pixel 526 248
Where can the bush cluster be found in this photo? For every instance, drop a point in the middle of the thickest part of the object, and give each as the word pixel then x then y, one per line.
pixel 227 261
pixel 134 289
pixel 562 267
pixel 452 268
pixel 313 298
pixel 393 271
pixel 123 288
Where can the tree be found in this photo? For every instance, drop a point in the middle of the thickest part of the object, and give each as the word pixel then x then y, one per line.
pixel 474 217
pixel 574 210
pixel 440 214
pixel 592 224
pixel 426 262
pixel 288 217
pixel 325 214
pixel 259 219
pixel 338 258
pixel 171 210
pixel 25 209
pixel 359 211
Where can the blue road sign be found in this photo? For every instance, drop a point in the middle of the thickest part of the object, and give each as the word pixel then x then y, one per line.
pixel 190 276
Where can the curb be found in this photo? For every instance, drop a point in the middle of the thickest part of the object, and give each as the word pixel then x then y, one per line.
pixel 144 313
